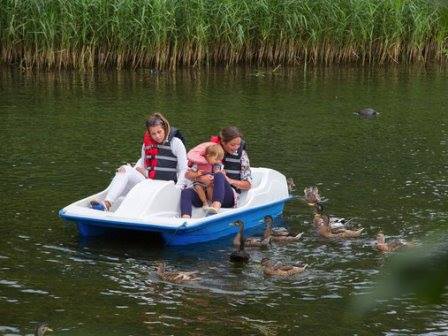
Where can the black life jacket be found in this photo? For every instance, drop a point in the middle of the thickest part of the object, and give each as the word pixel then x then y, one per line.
pixel 232 162
pixel 160 162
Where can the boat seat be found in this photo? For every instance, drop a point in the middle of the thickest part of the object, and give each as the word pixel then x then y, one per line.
pixel 246 196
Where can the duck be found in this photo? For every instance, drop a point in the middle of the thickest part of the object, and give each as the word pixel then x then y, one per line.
pixel 336 224
pixel 312 196
pixel 175 277
pixel 324 228
pixel 279 269
pixel 250 241
pixel 240 255
pixel 367 112
pixel 291 184
pixel 279 235
pixel 317 219
pixel 391 246
pixel 41 329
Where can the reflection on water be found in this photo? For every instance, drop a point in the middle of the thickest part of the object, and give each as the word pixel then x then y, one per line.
pixel 63 135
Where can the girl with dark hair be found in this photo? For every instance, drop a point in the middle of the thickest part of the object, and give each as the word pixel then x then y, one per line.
pixel 227 184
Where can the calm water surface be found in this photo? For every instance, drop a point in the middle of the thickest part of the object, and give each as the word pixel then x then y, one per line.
pixel 63 135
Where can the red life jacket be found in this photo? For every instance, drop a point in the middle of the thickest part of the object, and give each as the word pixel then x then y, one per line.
pixel 160 162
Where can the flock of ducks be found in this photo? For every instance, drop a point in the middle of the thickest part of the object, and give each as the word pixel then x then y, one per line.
pixel 333 227
pixel 325 225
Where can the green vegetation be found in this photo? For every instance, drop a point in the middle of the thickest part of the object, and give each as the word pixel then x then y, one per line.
pixel 169 33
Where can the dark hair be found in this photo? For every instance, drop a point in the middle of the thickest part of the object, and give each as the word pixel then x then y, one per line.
pixel 229 133
pixel 157 119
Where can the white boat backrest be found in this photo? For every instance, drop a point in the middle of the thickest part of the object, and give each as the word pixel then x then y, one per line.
pixel 153 197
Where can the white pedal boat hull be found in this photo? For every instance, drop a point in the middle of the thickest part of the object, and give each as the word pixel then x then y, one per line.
pixel 154 206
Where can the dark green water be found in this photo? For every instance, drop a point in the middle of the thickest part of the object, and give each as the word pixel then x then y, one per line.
pixel 63 135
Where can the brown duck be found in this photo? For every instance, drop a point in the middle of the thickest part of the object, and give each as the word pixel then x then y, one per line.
pixel 279 269
pixel 311 195
pixel 279 235
pixel 175 277
pixel 322 224
pixel 391 246
pixel 250 241
pixel 291 184
pixel 41 329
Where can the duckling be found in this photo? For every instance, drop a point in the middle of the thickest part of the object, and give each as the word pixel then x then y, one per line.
pixel 280 235
pixel 41 329
pixel 391 246
pixel 250 241
pixel 279 269
pixel 175 277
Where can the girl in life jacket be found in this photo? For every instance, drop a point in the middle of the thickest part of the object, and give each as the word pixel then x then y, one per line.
pixel 235 177
pixel 163 157
pixel 205 159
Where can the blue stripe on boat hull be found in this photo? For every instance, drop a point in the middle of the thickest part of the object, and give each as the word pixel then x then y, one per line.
pixel 222 227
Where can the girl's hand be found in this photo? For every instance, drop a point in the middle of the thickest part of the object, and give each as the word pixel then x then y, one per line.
pixel 122 169
pixel 141 170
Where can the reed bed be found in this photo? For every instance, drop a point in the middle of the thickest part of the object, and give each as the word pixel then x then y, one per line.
pixel 85 34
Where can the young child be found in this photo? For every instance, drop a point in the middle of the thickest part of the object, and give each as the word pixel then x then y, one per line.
pixel 205 159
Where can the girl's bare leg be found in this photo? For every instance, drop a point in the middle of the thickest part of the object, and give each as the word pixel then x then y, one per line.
pixel 201 193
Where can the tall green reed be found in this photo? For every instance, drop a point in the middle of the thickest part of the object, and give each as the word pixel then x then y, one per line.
pixel 85 34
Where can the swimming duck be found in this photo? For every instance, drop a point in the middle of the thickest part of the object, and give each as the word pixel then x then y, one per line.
pixel 250 241
pixel 279 269
pixel 175 277
pixel 240 255
pixel 312 196
pixel 367 112
pixel 391 246
pixel 291 184
pixel 41 329
pixel 322 223
pixel 279 235
pixel 336 224
pixel 318 219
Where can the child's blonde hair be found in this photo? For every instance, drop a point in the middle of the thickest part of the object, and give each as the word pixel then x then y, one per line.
pixel 214 152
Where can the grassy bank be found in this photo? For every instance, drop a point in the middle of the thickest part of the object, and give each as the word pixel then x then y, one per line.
pixel 168 33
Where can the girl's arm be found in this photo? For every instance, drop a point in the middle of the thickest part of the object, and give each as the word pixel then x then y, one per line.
pixel 178 149
pixel 193 173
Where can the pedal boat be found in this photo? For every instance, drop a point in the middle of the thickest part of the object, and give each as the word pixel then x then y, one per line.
pixel 154 206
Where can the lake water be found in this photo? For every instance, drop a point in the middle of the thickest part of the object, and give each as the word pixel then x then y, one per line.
pixel 64 134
